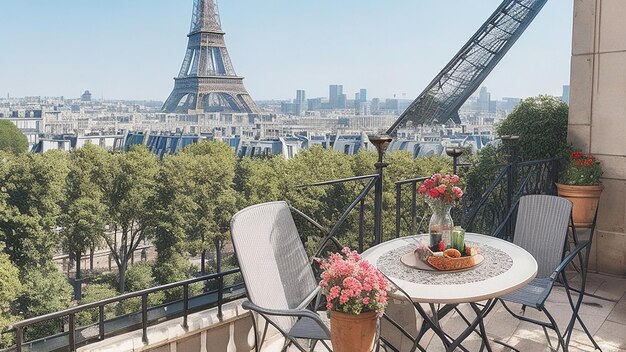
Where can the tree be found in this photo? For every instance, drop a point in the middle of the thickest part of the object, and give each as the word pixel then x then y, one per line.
pixel 10 289
pixel 46 290
pixel 34 186
pixel 192 207
pixel 541 124
pixel 84 214
pixel 127 185
pixel 213 194
pixel 12 139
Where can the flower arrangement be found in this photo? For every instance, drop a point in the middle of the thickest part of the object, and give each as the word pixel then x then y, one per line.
pixel 581 170
pixel 352 285
pixel 444 188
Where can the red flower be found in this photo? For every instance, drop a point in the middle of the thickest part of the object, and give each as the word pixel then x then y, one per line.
pixel 422 189
pixel 576 155
pixel 433 193
pixel 429 183
pixel 441 246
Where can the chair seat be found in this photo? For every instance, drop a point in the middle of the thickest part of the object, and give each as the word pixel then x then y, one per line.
pixel 307 328
pixel 532 295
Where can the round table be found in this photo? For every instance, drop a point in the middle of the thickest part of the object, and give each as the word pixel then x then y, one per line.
pixel 506 268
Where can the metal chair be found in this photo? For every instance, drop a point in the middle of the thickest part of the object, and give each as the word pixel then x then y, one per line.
pixel 277 274
pixel 541 228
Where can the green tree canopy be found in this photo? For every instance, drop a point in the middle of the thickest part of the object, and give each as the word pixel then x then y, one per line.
pixel 10 289
pixel 12 139
pixel 84 213
pixel 541 124
pixel 34 190
pixel 46 290
pixel 128 183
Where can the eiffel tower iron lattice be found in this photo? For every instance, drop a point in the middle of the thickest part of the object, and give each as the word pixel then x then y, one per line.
pixel 207 81
pixel 443 97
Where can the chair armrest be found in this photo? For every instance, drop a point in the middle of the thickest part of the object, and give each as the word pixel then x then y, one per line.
pixel 299 313
pixel 568 259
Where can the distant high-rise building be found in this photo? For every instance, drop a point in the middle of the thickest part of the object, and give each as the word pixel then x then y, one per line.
pixel 363 95
pixel 300 96
pixel 375 106
pixel 565 96
pixel 86 97
pixel 484 99
pixel 207 81
pixel 335 93
pixel 300 102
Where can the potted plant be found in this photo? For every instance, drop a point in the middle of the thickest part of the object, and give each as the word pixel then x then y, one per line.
pixel 579 182
pixel 356 295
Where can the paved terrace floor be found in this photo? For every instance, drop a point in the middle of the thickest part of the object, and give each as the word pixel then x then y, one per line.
pixel 606 320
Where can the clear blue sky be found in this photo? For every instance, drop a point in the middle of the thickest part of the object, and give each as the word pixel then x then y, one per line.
pixel 132 49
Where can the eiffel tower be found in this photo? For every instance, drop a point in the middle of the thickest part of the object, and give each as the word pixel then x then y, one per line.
pixel 207 81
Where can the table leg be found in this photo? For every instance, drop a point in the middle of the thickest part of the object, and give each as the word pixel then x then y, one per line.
pixel 450 343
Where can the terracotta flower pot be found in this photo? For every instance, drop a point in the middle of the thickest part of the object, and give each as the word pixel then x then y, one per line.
pixel 585 200
pixel 352 333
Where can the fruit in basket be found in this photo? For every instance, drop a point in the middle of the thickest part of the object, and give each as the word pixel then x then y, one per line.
pixel 452 253
pixel 469 251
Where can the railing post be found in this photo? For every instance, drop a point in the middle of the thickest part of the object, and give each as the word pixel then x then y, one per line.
pixel 185 305
pixel 361 224
pixel 72 332
pixel 220 279
pixel 398 206
pixel 144 318
pixel 509 142
pixel 381 143
pixel 19 337
pixel 101 322
pixel 413 207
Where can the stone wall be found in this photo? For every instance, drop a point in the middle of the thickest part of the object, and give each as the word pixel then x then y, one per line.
pixel 597 117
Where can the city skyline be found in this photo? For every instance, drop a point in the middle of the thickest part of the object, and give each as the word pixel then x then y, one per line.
pixel 124 50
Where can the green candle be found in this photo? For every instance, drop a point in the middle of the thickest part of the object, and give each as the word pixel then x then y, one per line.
pixel 458 238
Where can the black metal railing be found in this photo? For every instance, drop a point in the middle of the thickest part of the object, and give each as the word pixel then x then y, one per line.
pixel 408 217
pixel 514 181
pixel 68 340
pixel 358 201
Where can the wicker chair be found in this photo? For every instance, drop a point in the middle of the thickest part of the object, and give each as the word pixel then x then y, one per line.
pixel 277 273
pixel 541 228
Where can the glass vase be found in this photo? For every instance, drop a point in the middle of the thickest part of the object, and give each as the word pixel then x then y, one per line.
pixel 441 223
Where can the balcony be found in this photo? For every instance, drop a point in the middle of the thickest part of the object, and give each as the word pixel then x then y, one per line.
pixel 214 316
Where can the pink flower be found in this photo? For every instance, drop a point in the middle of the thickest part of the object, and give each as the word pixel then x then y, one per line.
pixel 349 282
pixel 422 189
pixel 434 193
pixel 442 189
pixel 455 179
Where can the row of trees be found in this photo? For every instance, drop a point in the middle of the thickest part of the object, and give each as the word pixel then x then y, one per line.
pixel 91 198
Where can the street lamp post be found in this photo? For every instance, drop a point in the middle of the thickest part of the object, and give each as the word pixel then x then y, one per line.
pixel 381 142
pixel 455 153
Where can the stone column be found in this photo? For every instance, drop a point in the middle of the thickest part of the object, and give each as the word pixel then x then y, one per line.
pixel 597 117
